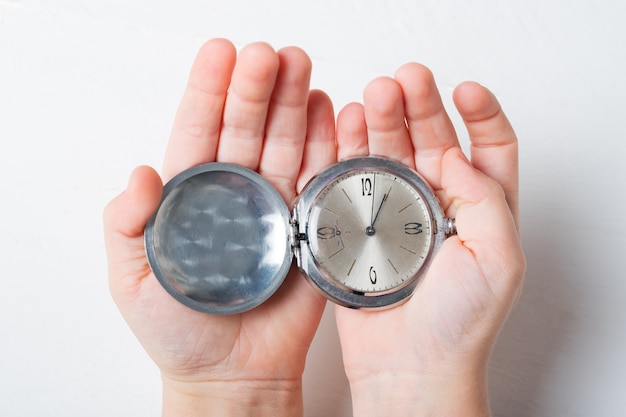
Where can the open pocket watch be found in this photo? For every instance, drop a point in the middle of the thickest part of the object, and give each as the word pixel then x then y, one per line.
pixel 363 231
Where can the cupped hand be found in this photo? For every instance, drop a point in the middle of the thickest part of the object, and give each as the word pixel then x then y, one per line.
pixel 253 109
pixel 431 352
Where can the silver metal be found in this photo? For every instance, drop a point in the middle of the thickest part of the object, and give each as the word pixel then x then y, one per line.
pixel 222 238
pixel 319 275
pixel 218 242
pixel 449 227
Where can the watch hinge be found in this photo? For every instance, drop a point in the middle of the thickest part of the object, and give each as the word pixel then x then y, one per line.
pixel 295 236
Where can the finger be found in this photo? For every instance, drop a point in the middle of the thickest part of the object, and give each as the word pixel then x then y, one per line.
pixel 430 128
pixel 484 222
pixel 351 132
pixel 195 134
pixel 319 148
pixel 125 218
pixel 286 125
pixel 247 103
pixel 386 127
pixel 494 147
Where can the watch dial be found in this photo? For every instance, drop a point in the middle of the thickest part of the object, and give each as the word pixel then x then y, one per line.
pixel 370 231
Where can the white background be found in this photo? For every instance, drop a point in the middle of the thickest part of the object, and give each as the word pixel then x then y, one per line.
pixel 88 90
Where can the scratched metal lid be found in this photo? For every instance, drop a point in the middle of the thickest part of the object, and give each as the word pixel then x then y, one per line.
pixel 218 242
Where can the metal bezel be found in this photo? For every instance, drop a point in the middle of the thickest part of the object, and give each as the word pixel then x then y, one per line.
pixel 328 286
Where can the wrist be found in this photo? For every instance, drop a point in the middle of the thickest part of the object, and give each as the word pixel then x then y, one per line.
pixel 231 398
pixel 408 394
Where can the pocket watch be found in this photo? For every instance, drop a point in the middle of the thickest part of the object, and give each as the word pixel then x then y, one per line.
pixel 363 232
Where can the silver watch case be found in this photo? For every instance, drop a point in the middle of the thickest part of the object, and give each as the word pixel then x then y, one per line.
pixel 334 290
pixel 222 239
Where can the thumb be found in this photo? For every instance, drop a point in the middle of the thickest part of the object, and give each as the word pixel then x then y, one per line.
pixel 125 218
pixel 128 213
pixel 485 224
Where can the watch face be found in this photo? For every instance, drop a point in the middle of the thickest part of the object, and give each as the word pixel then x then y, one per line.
pixel 370 231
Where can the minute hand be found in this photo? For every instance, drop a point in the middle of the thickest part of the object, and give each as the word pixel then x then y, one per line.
pixel 385 196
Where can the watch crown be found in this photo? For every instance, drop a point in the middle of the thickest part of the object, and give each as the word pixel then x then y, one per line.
pixel 449 227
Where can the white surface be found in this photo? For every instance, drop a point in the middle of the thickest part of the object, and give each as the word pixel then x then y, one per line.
pixel 88 90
